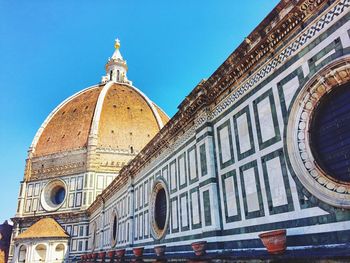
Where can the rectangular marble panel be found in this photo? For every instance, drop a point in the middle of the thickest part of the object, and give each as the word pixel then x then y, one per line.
pixel 141 195
pixel 72 184
pixel 267 128
pixel 173 176
pixel 141 226
pixel 192 161
pixel 184 212
pixel 277 187
pixel 165 173
pixel 78 199
pixel 225 144
pixel 28 205
pixel 230 196
pixel 182 170
pixel 71 200
pixel 75 231
pixel 37 189
pixel 195 208
pixel 243 133
pixel 30 190
pixel 251 190
pixel 136 226
pixel 35 205
pixel 203 159
pixel 74 245
pixel 79 183
pixel 146 224
pixel 174 214
pixel 136 197
pixel 145 187
pixel 289 89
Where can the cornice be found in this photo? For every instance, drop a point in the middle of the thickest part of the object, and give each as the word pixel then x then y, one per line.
pixel 287 18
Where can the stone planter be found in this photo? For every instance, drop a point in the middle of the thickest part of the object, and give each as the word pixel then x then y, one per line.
pixel 102 255
pixel 199 247
pixel 120 253
pixel 274 241
pixel 110 254
pixel 138 251
pixel 160 250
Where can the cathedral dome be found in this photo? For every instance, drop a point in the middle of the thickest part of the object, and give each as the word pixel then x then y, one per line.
pixel 100 128
pixel 119 115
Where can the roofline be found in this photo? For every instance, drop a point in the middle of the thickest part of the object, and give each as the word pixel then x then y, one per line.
pixel 223 79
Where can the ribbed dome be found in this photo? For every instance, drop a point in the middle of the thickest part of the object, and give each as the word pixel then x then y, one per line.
pixel 119 115
pixel 99 129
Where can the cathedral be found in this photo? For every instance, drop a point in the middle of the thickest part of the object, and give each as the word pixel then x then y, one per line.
pixel 260 145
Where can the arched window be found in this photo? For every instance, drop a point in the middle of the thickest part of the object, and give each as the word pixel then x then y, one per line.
pixel 110 75
pixel 22 254
pixel 59 253
pixel 118 75
pixel 40 253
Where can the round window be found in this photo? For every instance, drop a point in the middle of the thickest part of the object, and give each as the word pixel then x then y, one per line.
pixel 159 204
pixel 53 195
pixel 114 228
pixel 317 142
pixel 330 133
pixel 160 209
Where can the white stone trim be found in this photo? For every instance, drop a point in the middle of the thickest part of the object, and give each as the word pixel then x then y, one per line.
pixel 48 119
pixel 100 101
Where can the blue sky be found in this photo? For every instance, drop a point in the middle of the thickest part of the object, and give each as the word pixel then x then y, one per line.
pixel 51 49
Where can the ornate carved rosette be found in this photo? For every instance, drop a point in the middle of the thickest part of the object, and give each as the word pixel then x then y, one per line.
pixel 159 209
pixel 302 160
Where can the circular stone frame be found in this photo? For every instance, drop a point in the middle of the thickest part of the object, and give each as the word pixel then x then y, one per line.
pixel 47 194
pixel 301 161
pixel 156 232
pixel 114 216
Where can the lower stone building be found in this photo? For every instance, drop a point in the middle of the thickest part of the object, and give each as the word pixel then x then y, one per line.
pixel 262 144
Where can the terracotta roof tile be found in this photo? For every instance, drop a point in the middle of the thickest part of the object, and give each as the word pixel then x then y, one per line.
pixel 46 227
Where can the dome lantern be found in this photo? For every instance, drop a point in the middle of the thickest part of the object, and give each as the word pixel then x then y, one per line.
pixel 116 67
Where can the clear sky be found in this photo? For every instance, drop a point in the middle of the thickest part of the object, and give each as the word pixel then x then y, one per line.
pixel 51 49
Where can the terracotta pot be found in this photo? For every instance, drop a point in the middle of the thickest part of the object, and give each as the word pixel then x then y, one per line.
pixel 102 255
pixel 111 254
pixel 120 253
pixel 94 255
pixel 274 241
pixel 159 250
pixel 138 251
pixel 89 256
pixel 199 247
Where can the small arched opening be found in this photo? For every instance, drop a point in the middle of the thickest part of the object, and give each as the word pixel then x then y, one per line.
pixel 59 253
pixel 22 254
pixel 40 253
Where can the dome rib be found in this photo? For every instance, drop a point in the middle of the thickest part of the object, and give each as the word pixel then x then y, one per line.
pixel 52 114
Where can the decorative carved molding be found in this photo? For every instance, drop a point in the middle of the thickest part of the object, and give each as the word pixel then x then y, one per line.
pixel 302 161
pixel 262 52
